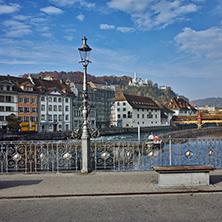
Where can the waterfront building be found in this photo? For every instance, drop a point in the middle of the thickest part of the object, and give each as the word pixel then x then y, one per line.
pixel 101 99
pixel 41 105
pixel 55 105
pixel 8 100
pixel 181 107
pixel 134 111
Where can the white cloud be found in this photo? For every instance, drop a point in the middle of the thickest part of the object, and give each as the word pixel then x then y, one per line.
pixel 16 29
pixel 80 17
pixel 125 29
pixel 51 10
pixel 148 14
pixel 206 43
pixel 21 17
pixel 7 9
pixel 106 26
pixel 72 2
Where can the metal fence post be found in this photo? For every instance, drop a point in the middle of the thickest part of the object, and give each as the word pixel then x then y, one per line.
pixel 170 150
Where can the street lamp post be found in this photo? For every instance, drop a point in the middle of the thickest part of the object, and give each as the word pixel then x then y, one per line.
pixel 84 51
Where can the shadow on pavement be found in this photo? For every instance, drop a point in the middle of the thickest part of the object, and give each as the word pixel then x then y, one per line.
pixel 16 183
pixel 214 179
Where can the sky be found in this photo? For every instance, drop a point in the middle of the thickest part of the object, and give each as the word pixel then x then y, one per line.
pixel 176 43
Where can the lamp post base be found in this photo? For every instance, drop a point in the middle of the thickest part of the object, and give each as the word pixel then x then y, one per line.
pixel 86 166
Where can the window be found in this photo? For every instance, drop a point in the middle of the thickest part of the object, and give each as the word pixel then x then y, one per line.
pixel 8 108
pixel 67 100
pixel 60 108
pixel 50 117
pixel 60 100
pixel 124 115
pixel 119 116
pixel 43 117
pixel 26 119
pixel 55 99
pixel 21 100
pixel 43 99
pixel 67 108
pixel 55 118
pixel 67 117
pixel 8 88
pixel 155 115
pixel 26 100
pixel 118 109
pixel 50 107
pixel 124 103
pixel 138 115
pixel 1 98
pixel 9 99
pixel 55 108
pixel 1 118
pixel 33 100
pixel 1 87
pixel 124 109
pixel 60 126
pixel 43 107
pixel 33 110
pixel 67 127
pixel 60 117
pixel 21 109
pixel 150 115
pixel 143 116
pixel 118 104
pixel 2 108
pixel 33 118
pixel 50 99
pixel 27 110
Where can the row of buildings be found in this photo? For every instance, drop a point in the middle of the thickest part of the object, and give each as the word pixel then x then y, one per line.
pixel 48 105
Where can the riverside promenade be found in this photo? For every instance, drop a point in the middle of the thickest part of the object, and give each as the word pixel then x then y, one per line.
pixel 109 196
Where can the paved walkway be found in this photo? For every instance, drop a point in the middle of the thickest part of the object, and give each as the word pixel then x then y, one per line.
pixel 93 184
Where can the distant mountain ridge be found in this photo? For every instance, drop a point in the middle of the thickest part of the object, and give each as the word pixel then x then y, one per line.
pixel 212 101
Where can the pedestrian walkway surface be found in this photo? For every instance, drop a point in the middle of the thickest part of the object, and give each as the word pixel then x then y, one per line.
pixel 95 183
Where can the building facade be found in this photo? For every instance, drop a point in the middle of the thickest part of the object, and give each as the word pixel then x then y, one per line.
pixel 101 99
pixel 181 107
pixel 134 111
pixel 8 100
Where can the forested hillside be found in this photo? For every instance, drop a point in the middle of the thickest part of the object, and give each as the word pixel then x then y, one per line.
pixel 121 84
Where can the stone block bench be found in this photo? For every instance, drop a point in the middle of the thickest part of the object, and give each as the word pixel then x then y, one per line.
pixel 183 176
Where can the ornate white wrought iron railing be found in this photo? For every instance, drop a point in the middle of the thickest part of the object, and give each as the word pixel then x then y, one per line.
pixel 65 156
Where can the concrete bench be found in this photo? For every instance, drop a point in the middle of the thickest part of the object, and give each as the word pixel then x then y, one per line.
pixel 183 176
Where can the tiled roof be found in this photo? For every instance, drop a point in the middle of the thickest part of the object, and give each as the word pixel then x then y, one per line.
pixel 46 85
pixel 139 102
pixel 179 104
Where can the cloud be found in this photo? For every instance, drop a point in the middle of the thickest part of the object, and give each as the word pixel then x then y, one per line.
pixel 51 10
pixel 206 43
pixel 16 29
pixel 106 26
pixel 125 29
pixel 8 9
pixel 21 17
pixel 149 14
pixel 80 17
pixel 72 2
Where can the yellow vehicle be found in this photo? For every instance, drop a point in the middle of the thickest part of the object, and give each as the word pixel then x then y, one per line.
pixel 28 126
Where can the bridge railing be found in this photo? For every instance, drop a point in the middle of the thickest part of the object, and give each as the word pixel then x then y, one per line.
pixel 51 156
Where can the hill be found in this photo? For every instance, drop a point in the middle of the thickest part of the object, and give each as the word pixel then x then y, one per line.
pixel 121 84
pixel 212 101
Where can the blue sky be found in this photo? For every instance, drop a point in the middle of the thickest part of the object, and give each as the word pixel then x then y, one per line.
pixel 177 43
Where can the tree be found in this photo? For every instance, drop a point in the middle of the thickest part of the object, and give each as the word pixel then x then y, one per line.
pixel 13 122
